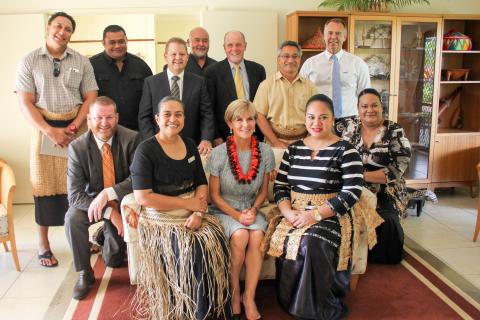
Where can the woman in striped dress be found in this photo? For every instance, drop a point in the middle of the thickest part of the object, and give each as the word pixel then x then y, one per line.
pixel 319 180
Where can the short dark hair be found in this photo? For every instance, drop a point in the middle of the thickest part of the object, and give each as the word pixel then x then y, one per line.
pixel 320 97
pixel 104 101
pixel 113 28
pixel 168 99
pixel 336 20
pixel 65 15
pixel 289 43
pixel 369 91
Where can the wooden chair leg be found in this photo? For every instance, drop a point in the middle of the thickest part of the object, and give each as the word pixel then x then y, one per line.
pixel 15 253
pixel 477 225
pixel 5 246
pixel 354 281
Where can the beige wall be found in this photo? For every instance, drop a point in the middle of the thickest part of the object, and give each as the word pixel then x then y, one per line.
pixel 260 33
pixel 14 130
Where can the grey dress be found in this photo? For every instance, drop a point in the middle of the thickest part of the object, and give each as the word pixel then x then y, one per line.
pixel 239 196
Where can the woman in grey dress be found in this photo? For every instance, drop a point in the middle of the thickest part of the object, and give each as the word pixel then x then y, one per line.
pixel 239 175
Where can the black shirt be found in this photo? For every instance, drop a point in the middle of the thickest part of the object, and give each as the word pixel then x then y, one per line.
pixel 194 67
pixel 124 87
pixel 153 169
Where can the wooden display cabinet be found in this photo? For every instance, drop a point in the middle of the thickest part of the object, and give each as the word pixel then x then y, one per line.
pixel 457 140
pixel 403 54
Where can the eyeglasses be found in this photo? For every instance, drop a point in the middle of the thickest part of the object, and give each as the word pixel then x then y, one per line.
pixel 287 56
pixel 56 67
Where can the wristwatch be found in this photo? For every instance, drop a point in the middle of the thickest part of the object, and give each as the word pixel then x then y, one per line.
pixel 316 215
pixel 72 127
pixel 198 214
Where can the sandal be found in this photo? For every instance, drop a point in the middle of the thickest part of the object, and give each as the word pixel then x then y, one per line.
pixel 47 255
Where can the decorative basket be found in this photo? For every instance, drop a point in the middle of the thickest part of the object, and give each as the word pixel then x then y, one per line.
pixel 454 40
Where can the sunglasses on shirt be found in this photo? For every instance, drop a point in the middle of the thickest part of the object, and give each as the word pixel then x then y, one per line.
pixel 56 67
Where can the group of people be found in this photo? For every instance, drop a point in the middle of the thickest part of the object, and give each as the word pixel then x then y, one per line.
pixel 146 134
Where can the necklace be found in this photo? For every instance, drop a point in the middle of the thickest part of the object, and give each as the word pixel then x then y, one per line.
pixel 235 164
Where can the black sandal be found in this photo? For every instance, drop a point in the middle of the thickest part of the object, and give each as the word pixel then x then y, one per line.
pixel 47 255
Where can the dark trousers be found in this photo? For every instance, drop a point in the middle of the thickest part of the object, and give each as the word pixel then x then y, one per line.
pixel 76 229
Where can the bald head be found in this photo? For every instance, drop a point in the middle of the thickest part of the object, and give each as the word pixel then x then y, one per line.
pixel 199 42
pixel 234 45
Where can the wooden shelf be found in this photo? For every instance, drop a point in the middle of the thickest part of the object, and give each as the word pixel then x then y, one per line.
pixel 456 131
pixel 461 82
pixel 460 51
pixel 313 50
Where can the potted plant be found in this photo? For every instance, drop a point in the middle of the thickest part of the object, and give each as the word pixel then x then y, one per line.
pixel 369 5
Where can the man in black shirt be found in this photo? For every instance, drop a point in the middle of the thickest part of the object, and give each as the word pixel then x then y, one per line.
pixel 199 43
pixel 120 75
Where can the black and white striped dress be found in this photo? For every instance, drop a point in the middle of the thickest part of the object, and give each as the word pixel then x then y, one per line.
pixel 310 287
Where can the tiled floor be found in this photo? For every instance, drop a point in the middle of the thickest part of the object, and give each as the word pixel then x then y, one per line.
pixel 444 231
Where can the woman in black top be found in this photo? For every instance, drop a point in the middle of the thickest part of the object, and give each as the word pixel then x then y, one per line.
pixel 385 152
pixel 183 272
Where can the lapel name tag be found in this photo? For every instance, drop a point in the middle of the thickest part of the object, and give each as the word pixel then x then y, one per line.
pixel 191 159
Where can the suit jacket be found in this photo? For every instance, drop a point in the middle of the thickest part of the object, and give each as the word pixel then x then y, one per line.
pixel 199 118
pixel 84 170
pixel 221 89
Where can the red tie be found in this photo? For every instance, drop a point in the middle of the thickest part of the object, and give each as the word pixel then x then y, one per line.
pixel 108 172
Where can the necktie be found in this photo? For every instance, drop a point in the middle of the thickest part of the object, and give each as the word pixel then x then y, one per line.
pixel 175 92
pixel 238 82
pixel 108 171
pixel 336 87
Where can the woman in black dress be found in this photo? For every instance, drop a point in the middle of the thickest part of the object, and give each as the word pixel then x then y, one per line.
pixel 385 152
pixel 183 252
pixel 319 181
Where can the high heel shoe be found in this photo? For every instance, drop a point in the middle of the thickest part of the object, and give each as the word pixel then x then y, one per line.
pixel 243 310
pixel 237 316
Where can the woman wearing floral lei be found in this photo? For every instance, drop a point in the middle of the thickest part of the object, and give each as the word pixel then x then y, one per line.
pixel 239 175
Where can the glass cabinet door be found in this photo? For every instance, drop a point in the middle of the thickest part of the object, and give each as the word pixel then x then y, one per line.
pixel 418 43
pixel 372 41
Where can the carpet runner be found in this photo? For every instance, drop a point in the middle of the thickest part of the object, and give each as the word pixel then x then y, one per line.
pixel 411 290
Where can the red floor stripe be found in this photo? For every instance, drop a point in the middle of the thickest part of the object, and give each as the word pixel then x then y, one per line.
pixel 449 292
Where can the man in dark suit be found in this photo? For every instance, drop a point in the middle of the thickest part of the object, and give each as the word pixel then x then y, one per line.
pixel 230 79
pixel 98 177
pixel 185 86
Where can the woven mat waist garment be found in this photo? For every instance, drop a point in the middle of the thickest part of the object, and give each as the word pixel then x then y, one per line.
pixel 363 212
pixel 48 174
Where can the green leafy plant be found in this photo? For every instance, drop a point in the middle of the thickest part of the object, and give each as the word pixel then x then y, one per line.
pixel 369 5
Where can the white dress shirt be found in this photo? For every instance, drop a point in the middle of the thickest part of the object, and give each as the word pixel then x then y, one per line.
pixel 112 195
pixel 354 76
pixel 179 81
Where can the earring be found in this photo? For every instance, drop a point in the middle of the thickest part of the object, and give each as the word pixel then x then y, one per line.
pixel 231 131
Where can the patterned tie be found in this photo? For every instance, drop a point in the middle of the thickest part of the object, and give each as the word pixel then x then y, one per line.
pixel 175 92
pixel 336 87
pixel 108 171
pixel 238 82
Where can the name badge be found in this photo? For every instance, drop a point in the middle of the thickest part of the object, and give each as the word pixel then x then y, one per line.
pixel 191 159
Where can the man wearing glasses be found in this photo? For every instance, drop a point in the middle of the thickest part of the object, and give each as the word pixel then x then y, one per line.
pixel 55 86
pixel 281 99
pixel 120 75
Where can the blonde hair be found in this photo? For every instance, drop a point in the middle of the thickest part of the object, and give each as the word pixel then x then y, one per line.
pixel 237 108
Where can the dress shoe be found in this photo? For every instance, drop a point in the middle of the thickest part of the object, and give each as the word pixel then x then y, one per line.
pixel 82 287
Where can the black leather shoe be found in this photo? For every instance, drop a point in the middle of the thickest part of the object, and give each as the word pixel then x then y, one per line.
pixel 82 287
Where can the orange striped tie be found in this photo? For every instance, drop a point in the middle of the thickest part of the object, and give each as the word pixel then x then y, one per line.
pixel 108 171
